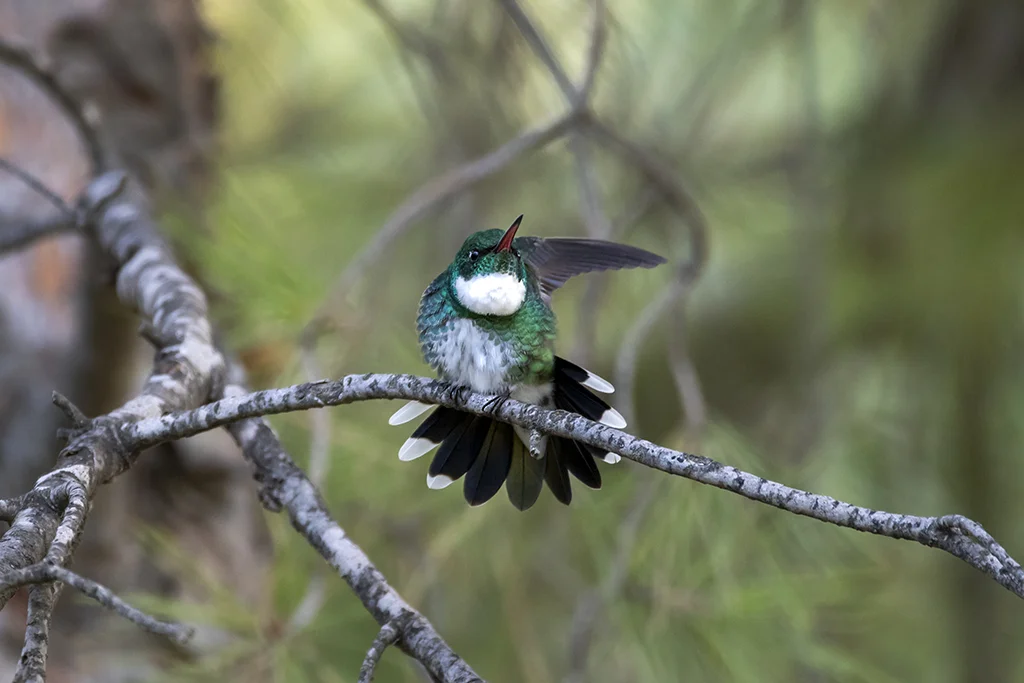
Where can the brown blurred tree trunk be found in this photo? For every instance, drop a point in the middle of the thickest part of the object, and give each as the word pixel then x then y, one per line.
pixel 143 66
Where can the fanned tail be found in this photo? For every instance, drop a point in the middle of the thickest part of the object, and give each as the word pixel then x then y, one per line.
pixel 489 453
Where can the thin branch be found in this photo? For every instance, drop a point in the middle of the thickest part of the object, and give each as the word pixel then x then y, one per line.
pixel 671 189
pixel 18 233
pixel 21 59
pixel 9 507
pixel 37 186
pixel 541 48
pixel 46 573
pixel 319 462
pixel 955 534
pixel 423 200
pixel 188 370
pixel 387 636
pixel 589 609
pixel 32 662
pixel 463 177
pixel 319 426
pixel 286 487
pixel 590 303
pixel 632 343
pixel 595 51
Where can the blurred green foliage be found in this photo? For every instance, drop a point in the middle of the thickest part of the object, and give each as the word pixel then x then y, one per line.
pixel 857 333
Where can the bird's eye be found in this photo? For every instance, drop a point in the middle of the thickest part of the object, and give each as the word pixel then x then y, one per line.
pixel 474 255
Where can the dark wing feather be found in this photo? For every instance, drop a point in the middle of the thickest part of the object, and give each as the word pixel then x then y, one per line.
pixel 557 259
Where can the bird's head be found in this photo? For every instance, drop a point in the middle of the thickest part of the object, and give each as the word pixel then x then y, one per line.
pixel 488 275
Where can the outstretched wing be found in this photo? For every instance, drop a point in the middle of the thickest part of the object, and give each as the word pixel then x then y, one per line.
pixel 557 259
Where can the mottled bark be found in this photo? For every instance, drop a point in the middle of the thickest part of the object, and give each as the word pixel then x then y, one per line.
pixel 955 534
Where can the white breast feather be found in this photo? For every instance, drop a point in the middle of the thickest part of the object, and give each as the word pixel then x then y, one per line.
pixel 471 357
pixel 491 294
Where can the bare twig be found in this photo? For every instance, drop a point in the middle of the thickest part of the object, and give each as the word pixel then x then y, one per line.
pixel 46 573
pixel 590 302
pixel 319 426
pixel 286 487
pixel 9 508
pixel 461 178
pixel 632 343
pixel 37 186
pixel 423 200
pixel 18 233
pixel 189 370
pixel 955 534
pixel 540 47
pixel 598 38
pixel 32 662
pixel 670 188
pixel 387 636
pixel 20 58
pixel 319 461
pixel 589 609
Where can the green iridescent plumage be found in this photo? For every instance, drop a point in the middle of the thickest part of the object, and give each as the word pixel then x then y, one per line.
pixel 486 323
pixel 530 331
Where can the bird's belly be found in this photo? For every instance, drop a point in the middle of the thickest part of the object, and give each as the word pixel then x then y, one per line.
pixel 474 357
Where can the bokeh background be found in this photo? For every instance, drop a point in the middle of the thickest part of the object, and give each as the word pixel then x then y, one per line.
pixel 855 328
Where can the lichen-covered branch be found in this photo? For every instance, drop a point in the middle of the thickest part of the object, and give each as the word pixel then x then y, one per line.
pixel 188 370
pixel 955 534
pixel 286 487
pixel 387 635
pixel 45 573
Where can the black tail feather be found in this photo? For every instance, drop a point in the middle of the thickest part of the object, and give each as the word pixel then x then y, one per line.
pixel 525 477
pixel 461 448
pixel 490 453
pixel 555 472
pixel 439 424
pixel 491 467
pixel 579 461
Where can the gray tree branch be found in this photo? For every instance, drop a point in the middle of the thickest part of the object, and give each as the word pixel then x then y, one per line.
pixel 188 370
pixel 48 574
pixel 387 635
pixel 957 535
pixel 286 487
pixel 20 57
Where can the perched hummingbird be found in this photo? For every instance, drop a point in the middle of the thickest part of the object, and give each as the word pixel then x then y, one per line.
pixel 486 323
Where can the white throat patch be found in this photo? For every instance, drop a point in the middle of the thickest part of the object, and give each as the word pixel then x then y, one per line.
pixel 491 294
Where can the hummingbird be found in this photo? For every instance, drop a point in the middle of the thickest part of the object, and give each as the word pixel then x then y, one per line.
pixel 485 324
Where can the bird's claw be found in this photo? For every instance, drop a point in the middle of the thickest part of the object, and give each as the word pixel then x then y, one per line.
pixel 495 403
pixel 458 394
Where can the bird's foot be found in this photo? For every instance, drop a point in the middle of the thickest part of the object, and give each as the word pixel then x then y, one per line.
pixel 495 403
pixel 458 394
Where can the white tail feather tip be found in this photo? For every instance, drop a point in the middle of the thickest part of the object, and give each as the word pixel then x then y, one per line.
pixel 438 482
pixel 410 411
pixel 612 458
pixel 613 418
pixel 414 448
pixel 598 383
